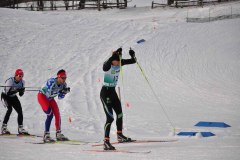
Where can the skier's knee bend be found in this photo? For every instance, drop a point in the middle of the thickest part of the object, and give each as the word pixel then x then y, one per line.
pixel 9 110
pixel 49 111
pixel 110 120
pixel 120 116
pixel 50 117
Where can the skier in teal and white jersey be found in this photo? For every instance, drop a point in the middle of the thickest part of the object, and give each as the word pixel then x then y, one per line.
pixel 109 96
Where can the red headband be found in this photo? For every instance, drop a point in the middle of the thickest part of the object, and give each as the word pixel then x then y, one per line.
pixel 62 74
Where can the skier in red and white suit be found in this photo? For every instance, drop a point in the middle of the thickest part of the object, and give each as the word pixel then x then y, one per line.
pixel 53 87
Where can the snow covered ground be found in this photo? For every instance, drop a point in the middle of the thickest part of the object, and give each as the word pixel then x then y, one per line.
pixel 192 67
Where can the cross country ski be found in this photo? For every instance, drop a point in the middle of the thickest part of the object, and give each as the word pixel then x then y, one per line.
pixel 69 142
pixel 116 151
pixel 138 141
pixel 19 135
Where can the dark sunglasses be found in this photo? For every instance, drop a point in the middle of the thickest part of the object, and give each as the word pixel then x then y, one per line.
pixel 64 78
pixel 20 76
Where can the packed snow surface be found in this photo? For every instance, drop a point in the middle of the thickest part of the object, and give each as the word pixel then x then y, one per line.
pixel 193 69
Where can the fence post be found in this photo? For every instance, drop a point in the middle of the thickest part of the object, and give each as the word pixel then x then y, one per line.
pixel 17 4
pixel 40 5
pixel 117 3
pixel 13 4
pixel 99 5
pixel 169 2
pixel 176 4
pixel 209 15
pixel 200 2
pixel 66 2
pixel 51 2
pixel 125 3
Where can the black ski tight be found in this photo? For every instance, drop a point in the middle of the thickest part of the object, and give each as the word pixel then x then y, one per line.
pixel 13 102
pixel 111 102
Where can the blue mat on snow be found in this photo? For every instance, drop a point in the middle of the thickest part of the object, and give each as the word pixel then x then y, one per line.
pixel 141 41
pixel 204 134
pixel 212 124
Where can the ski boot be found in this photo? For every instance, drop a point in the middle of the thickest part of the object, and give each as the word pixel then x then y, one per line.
pixel 22 131
pixel 4 129
pixel 60 136
pixel 121 138
pixel 108 145
pixel 47 138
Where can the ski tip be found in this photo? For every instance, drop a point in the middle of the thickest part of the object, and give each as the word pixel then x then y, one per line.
pixel 24 135
pixel 41 142
pixel 20 135
pixel 7 135
pixel 28 135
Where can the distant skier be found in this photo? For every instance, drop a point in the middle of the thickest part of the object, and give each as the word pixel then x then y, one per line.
pixel 13 85
pixel 53 87
pixel 109 96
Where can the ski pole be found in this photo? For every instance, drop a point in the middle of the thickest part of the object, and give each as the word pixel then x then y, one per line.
pixel 163 108
pixel 32 90
pixel 121 73
pixel 124 100
pixel 24 87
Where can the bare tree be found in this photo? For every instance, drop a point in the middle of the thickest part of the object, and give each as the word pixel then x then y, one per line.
pixel 66 2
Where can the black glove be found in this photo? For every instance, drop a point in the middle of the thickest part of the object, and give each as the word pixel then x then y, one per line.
pixel 132 53
pixel 65 90
pixel 21 94
pixel 119 51
pixel 21 91
pixel 115 57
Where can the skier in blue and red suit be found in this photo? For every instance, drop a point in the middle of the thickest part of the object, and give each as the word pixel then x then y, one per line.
pixel 53 87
